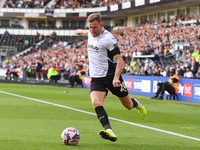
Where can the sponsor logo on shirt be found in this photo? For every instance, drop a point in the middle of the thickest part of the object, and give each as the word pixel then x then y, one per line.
pixel 93 48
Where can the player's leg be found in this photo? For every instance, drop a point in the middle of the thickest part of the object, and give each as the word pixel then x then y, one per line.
pixel 37 73
pixel 98 92
pixel 72 81
pixel 41 75
pixel 131 103
pixel 127 103
pixel 122 93
pixel 97 98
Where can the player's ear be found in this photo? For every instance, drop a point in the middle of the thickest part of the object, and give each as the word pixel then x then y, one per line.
pixel 101 24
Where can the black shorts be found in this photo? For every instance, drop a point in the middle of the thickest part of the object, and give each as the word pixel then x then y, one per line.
pixel 105 83
pixel 38 69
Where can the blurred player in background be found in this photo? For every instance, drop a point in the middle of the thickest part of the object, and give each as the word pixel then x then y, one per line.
pixel 39 64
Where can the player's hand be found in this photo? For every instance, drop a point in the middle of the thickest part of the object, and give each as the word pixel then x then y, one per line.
pixel 116 82
pixel 79 32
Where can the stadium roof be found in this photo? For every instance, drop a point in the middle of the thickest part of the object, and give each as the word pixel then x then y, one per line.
pixel 148 8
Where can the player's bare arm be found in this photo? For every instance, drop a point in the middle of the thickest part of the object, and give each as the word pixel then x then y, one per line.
pixel 39 61
pixel 82 32
pixel 120 62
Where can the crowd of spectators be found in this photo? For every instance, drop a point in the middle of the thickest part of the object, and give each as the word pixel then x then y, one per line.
pixel 60 3
pixel 172 22
pixel 150 39
pixel 85 3
pixel 64 60
pixel 25 3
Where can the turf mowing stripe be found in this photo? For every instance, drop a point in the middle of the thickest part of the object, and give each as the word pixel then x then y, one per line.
pixel 123 121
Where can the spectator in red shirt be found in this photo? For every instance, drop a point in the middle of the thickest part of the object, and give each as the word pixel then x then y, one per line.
pixel 57 67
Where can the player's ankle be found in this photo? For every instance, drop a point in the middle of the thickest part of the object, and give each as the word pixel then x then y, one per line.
pixel 109 130
pixel 136 104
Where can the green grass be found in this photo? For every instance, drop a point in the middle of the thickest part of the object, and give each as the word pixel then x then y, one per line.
pixel 26 124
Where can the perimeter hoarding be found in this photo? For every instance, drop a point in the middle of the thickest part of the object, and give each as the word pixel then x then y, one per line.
pixel 147 86
pixel 3 73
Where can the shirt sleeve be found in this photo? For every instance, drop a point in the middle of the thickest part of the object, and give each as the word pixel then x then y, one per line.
pixel 111 43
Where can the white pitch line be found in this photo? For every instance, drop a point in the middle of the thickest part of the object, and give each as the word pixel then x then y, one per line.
pixel 86 112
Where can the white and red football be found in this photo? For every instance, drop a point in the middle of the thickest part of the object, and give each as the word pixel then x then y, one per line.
pixel 70 136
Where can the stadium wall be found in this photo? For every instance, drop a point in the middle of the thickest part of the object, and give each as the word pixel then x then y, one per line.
pixel 34 31
pixel 147 86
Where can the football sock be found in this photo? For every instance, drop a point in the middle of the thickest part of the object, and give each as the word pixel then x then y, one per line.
pixel 36 79
pixel 135 103
pixel 109 130
pixel 103 117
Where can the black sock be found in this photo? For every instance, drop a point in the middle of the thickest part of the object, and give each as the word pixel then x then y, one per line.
pixel 135 104
pixel 103 117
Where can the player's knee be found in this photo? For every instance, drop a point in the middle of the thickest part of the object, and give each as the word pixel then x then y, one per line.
pixel 96 103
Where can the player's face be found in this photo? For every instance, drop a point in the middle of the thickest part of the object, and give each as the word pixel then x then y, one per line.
pixel 95 28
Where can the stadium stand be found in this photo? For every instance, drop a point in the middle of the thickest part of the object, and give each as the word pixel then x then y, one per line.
pixel 41 42
pixel 22 42
pixel 155 45
pixel 160 49
pixel 25 3
pixel 160 57
pixel 62 4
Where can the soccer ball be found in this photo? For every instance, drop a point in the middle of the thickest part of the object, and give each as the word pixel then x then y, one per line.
pixel 70 136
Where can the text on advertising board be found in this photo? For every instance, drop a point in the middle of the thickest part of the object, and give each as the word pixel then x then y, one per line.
pixel 187 89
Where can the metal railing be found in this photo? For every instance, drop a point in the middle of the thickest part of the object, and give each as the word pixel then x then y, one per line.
pixel 8 51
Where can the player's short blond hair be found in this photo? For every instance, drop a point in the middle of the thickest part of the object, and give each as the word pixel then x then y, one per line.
pixel 93 17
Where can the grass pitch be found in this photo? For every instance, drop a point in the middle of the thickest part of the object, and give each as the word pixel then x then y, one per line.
pixel 27 123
